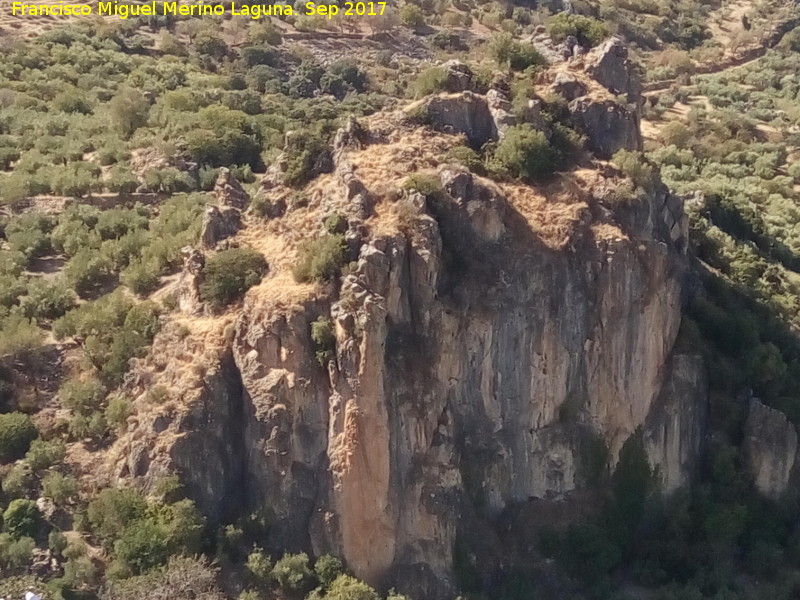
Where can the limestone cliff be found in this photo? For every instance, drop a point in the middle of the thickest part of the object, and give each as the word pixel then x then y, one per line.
pixel 487 337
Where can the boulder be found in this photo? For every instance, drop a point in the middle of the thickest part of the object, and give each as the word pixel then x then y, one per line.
pixel 608 126
pixel 467 113
pixel 188 287
pixel 219 223
pixel 459 77
pixel 610 66
pixel 500 109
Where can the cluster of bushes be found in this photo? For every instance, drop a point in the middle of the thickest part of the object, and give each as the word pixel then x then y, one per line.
pixel 142 534
pixel 111 330
pixel 293 575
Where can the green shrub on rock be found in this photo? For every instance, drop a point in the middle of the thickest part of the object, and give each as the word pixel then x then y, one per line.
pixel 22 518
pixel 230 273
pixel 526 153
pixel 321 260
pixel 17 431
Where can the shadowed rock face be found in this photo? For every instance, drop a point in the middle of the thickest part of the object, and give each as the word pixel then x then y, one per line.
pixel 770 449
pixel 466 113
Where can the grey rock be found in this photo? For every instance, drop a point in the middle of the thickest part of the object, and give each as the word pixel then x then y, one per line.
pixel 219 224
pixel 769 448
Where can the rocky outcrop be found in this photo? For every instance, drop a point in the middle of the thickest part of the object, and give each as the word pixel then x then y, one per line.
pixel 476 363
pixel 609 65
pixel 229 192
pixel 769 448
pixel 219 223
pixel 466 113
pixel 458 77
pixel 188 286
pixel 465 371
pixel 480 118
pixel 608 126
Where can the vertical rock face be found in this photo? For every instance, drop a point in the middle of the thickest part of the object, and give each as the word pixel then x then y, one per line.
pixel 465 371
pixel 770 449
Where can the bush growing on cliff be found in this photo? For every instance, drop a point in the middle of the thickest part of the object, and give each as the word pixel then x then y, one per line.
pixel 525 152
pixel 17 431
pixel 346 587
pixel 588 30
pixel 230 273
pixel 259 565
pixel 327 569
pixel 324 339
pixel 321 260
pixel 430 81
pixel 22 518
pixel 637 167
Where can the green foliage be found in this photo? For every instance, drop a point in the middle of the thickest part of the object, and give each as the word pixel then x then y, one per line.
pixel 61 489
pixel 45 454
pixel 525 152
pixel 430 81
pixel 336 224
pixel 57 542
pixel 113 330
pixel 47 301
pixel 28 234
pixel 321 260
pixel 637 167
pixel 118 410
pixel 230 273
pixel 87 270
pixel 15 552
pixel 113 510
pixel 22 518
pixel 517 56
pixel 587 30
pixel 182 577
pixel 412 16
pixel 303 150
pixel 141 548
pixel 427 185
pixel 345 587
pixel 327 569
pixel 17 431
pixel 293 574
pixel 143 534
pixel 19 336
pixel 466 156
pixel 324 339
pixel 260 566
